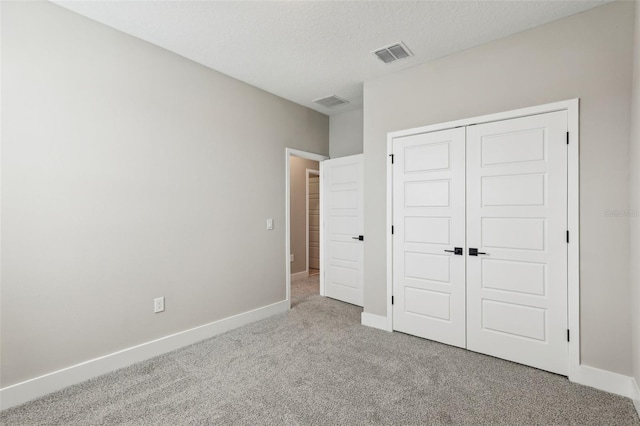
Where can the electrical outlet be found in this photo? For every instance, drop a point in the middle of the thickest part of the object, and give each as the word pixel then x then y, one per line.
pixel 158 304
pixel 269 224
pixel 291 258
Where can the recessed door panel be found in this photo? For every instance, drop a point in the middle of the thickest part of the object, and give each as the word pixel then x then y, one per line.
pixel 344 200
pixel 427 303
pixel 427 157
pixel 343 225
pixel 521 321
pixel 429 267
pixel 427 194
pixel 343 276
pixel 518 146
pixel 343 174
pixel 345 250
pixel 513 190
pixel 512 233
pixel 429 230
pixel 514 276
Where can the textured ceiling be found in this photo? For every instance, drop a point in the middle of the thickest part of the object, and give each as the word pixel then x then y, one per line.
pixel 310 49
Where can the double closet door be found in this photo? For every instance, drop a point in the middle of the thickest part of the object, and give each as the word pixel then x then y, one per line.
pixel 480 241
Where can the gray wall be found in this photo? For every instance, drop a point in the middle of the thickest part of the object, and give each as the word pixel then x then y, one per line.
pixel 634 215
pixel 298 208
pixel 345 134
pixel 129 172
pixel 586 56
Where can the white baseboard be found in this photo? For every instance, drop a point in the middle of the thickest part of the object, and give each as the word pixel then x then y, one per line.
pixel 30 389
pixel 299 275
pixel 606 381
pixel 375 321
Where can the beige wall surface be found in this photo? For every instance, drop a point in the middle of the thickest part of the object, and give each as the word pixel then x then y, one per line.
pixel 128 173
pixel 586 56
pixel 345 134
pixel 634 212
pixel 298 207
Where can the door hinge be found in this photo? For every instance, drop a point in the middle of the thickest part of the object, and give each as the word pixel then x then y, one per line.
pixel 567 236
pixel 391 229
pixel 568 335
pixel 391 155
pixel 567 138
pixel 392 300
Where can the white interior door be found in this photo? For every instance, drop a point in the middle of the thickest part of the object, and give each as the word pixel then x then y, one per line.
pixel 344 225
pixel 517 219
pixel 429 222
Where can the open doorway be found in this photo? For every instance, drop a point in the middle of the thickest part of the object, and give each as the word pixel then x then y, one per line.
pixel 313 221
pixel 304 199
pixel 304 263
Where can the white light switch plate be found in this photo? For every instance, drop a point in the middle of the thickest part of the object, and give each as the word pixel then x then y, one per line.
pixel 269 224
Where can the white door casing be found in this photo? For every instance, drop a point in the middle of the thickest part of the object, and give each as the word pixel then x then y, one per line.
pixel 344 224
pixel 429 222
pixel 517 215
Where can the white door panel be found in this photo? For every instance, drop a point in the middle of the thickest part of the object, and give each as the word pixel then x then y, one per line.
pixel 517 215
pixel 499 188
pixel 429 218
pixel 344 223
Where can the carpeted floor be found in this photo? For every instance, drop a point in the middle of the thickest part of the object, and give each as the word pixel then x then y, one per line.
pixel 318 365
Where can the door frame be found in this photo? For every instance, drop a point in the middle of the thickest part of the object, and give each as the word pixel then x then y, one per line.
pixel 291 152
pixel 308 174
pixel 572 106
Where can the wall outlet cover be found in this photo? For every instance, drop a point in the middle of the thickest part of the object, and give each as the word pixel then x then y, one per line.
pixel 158 304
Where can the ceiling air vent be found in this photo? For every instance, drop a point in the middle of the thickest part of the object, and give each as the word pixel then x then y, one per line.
pixel 331 101
pixel 393 52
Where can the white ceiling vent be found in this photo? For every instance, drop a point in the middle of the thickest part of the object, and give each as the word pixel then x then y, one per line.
pixel 392 52
pixel 331 101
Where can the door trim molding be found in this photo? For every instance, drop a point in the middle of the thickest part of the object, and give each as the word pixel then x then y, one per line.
pixel 573 214
pixel 290 152
pixel 636 399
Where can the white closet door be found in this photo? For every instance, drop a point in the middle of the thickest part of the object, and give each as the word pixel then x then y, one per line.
pixel 517 219
pixel 344 224
pixel 429 219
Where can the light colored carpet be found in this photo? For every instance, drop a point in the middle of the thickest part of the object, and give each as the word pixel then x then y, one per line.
pixel 302 290
pixel 318 365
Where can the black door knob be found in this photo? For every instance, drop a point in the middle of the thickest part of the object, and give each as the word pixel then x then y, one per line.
pixel 475 252
pixel 456 250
